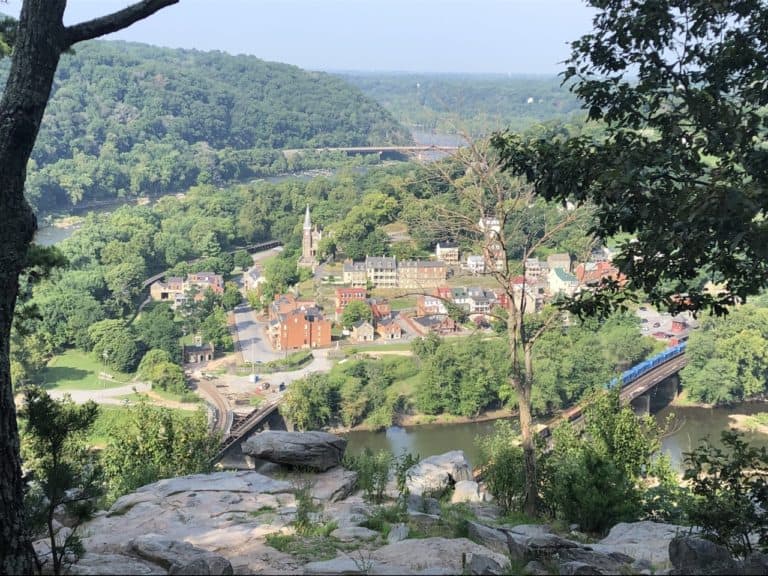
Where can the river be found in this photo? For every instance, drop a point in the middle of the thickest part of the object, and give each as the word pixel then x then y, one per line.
pixel 690 425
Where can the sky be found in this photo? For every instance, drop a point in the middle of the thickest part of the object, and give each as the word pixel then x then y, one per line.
pixel 446 36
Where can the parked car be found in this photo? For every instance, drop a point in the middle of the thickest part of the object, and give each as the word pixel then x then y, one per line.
pixel 265 385
pixel 281 388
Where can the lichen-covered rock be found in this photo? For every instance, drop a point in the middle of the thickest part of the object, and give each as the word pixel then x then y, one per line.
pixel 480 564
pixel 314 450
pixel 434 475
pixel 642 540
pixel 397 532
pixel 694 555
pixel 179 557
pixel 333 485
pixel 466 491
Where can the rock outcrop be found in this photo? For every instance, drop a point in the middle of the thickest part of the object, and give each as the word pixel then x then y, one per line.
pixel 434 475
pixel 314 450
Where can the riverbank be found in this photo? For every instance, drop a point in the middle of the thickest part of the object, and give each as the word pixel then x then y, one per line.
pixel 411 421
pixel 749 423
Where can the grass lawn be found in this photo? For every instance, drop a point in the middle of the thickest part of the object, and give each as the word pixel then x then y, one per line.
pixel 403 302
pixel 406 387
pixel 112 418
pixel 76 370
pixel 398 347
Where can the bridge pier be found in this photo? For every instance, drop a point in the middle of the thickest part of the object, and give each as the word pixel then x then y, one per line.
pixel 641 405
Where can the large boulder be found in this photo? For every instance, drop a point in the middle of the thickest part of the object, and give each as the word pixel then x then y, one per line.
pixel 314 450
pixel 645 540
pixel 179 557
pixel 333 485
pixel 694 555
pixel 434 475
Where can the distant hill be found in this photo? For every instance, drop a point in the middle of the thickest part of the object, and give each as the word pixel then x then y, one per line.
pixel 479 104
pixel 129 119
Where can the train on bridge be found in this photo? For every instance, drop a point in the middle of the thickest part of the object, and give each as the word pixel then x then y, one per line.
pixel 625 379
pixel 629 376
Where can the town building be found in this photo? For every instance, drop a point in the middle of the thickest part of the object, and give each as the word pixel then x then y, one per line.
pixel 561 260
pixel 476 264
pixel 310 240
pixel 346 295
pixel 362 331
pixel 421 274
pixel 176 290
pixel 294 325
pixel 563 282
pixel 534 268
pixel 593 272
pixel 389 329
pixel 354 273
pixel 381 271
pixel 198 353
pixel 380 308
pixel 447 252
pixel 253 279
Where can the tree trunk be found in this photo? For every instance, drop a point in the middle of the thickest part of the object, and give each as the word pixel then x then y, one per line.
pixel 40 39
pixel 36 55
pixel 526 429
pixel 522 380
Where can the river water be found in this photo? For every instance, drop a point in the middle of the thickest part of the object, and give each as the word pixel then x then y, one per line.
pixel 689 426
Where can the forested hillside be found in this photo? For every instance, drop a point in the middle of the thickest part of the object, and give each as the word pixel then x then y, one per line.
pixel 477 104
pixel 129 119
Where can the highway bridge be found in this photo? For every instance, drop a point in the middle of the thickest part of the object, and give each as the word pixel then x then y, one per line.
pixel 381 150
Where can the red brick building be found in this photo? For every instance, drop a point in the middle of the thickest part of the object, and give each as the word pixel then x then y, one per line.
pixel 346 295
pixel 297 324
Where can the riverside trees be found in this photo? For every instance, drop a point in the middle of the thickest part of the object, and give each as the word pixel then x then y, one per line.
pixel 40 39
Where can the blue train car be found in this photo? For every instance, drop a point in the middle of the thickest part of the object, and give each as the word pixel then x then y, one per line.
pixel 633 373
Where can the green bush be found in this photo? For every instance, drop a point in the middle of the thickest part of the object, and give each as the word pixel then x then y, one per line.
pixel 730 492
pixel 589 489
pixel 372 472
pixel 503 469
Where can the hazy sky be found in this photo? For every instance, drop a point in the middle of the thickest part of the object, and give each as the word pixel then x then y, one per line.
pixel 498 36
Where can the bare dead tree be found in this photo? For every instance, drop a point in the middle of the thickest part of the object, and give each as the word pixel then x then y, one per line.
pixel 485 204
pixel 40 39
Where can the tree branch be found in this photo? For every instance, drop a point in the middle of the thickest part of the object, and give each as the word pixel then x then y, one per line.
pixel 113 22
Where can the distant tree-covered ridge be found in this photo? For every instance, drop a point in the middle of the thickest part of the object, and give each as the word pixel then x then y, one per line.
pixel 478 104
pixel 127 120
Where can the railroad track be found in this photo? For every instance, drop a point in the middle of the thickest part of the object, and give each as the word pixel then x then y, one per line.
pixel 243 424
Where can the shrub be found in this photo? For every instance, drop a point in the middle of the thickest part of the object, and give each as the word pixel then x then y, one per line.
pixel 730 492
pixel 503 469
pixel 372 472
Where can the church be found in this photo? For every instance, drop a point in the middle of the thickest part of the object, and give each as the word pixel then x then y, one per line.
pixel 309 243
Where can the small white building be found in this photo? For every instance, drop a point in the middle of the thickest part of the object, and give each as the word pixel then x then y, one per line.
pixel 476 264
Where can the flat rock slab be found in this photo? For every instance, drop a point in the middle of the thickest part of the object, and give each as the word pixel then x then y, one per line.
pixel 314 450
pixel 114 565
pixel 354 533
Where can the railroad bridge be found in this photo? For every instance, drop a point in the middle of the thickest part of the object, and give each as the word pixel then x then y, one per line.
pixel 646 386
pixel 241 427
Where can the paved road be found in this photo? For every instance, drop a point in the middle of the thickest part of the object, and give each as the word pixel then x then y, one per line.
pixel 252 340
pixel 104 396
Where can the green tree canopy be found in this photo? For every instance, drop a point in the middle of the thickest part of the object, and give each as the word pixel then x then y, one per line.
pixel 679 86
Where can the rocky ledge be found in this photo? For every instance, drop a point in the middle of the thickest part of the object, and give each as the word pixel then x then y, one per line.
pixel 242 523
